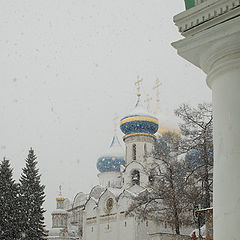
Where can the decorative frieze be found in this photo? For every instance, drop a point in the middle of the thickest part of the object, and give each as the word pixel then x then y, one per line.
pixel 205 15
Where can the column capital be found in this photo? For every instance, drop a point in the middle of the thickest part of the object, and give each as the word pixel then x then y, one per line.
pixel 212 48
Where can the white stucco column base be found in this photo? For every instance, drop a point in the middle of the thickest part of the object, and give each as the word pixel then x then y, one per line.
pixel 217 52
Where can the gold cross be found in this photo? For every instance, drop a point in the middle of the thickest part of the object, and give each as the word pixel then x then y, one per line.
pixel 138 85
pixel 147 100
pixel 115 121
pixel 60 190
pixel 157 86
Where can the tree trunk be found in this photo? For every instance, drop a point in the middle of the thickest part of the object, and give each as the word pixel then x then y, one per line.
pixel 206 177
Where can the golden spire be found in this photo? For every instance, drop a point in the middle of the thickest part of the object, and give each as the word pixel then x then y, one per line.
pixel 60 193
pixel 138 85
pixel 60 190
pixel 157 85
pixel 147 100
pixel 115 122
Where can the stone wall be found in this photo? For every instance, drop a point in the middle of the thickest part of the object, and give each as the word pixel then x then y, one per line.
pixel 167 236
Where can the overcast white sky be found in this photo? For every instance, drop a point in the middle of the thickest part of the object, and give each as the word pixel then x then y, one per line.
pixel 67 66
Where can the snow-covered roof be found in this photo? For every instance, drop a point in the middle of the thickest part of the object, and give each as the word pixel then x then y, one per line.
pixel 60 211
pixel 55 232
pixel 80 199
pixel 115 191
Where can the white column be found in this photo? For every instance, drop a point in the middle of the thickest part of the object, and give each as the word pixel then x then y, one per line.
pixel 216 51
pixel 224 81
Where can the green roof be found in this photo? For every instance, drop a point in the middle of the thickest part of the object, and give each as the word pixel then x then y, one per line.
pixel 189 4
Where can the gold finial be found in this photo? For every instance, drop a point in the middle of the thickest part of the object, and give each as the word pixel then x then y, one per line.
pixel 138 85
pixel 60 190
pixel 115 121
pixel 147 100
pixel 157 85
pixel 60 197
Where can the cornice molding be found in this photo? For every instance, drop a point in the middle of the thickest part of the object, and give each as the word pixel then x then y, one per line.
pixel 222 68
pixel 206 15
pixel 210 47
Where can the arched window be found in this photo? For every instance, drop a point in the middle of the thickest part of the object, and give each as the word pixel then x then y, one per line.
pixel 151 179
pixel 145 149
pixel 61 222
pixel 134 152
pixel 135 177
pixel 57 222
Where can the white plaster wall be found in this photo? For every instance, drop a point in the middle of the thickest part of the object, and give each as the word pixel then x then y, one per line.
pixel 140 141
pixel 128 174
pixel 91 231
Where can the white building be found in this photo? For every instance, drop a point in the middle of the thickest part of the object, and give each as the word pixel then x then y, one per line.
pixel 100 215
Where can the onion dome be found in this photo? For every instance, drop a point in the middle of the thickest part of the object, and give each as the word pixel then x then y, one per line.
pixel 139 122
pixel 194 158
pixel 111 161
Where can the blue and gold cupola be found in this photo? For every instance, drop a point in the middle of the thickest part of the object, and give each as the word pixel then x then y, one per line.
pixel 139 122
pixel 113 159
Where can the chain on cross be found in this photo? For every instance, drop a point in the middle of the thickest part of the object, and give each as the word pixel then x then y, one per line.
pixel 147 100
pixel 60 190
pixel 138 85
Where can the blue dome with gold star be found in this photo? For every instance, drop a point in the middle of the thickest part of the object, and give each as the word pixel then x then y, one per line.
pixel 139 122
pixel 113 159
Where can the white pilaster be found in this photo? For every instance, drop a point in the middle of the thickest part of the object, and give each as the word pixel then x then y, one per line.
pixel 215 49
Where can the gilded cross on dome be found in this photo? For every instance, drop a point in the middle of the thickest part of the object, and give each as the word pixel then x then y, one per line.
pixel 157 86
pixel 60 190
pixel 147 100
pixel 138 85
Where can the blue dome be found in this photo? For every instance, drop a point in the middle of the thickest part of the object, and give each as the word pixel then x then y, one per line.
pixel 113 159
pixel 139 122
pixel 194 158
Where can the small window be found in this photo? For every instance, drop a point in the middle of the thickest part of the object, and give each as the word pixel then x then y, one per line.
pixel 145 149
pixel 92 229
pixel 134 152
pixel 135 177
pixel 125 224
pixel 151 178
pixel 108 227
pixel 146 223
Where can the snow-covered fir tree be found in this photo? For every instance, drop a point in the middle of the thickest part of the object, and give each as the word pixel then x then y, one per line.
pixel 9 204
pixel 32 198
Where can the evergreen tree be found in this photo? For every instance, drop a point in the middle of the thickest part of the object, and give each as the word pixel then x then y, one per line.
pixel 32 198
pixel 9 205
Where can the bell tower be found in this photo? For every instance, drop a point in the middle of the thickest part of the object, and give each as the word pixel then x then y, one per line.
pixel 139 128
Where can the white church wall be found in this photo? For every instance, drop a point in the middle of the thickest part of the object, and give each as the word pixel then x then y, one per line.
pixel 128 175
pixel 143 144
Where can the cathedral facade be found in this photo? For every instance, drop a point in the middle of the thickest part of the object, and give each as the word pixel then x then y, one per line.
pixel 101 214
